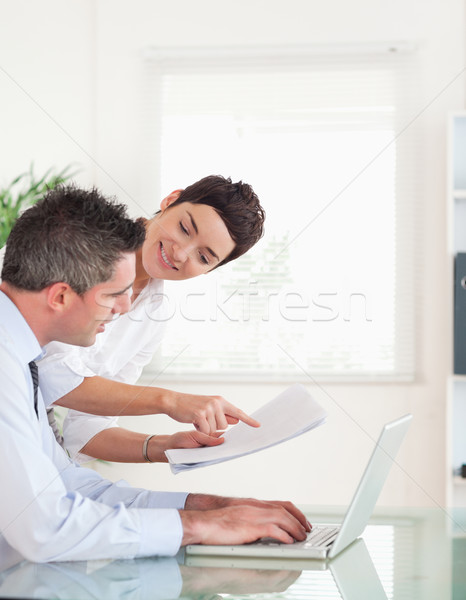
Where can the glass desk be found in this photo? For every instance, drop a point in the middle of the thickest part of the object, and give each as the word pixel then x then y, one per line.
pixel 404 554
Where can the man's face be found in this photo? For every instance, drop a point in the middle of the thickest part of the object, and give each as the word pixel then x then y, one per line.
pixel 184 241
pixel 96 307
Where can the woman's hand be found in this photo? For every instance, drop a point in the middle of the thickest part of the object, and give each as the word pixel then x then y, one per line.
pixel 208 414
pixel 182 439
pixel 193 439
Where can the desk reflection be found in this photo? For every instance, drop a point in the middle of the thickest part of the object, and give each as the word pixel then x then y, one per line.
pixel 186 577
pixel 144 579
pixel 405 554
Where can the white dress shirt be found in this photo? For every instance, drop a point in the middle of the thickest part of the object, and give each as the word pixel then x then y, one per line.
pixel 50 508
pixel 119 353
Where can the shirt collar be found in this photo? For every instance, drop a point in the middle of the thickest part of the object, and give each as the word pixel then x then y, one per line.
pixel 15 326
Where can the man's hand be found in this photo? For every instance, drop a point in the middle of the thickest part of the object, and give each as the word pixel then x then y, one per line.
pixel 240 524
pixel 207 413
pixel 209 502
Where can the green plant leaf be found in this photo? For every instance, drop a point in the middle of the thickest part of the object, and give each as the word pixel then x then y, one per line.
pixel 24 191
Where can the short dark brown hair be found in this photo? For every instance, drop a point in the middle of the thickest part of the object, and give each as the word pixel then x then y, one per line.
pixel 72 235
pixel 238 206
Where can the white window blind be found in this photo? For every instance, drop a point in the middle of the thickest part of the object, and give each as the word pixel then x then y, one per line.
pixel 328 140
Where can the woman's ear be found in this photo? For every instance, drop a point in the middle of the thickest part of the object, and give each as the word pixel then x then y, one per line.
pixel 170 199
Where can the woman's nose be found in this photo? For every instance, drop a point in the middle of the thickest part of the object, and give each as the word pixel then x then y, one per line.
pixel 180 253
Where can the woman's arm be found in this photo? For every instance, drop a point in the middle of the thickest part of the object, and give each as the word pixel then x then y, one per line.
pixel 122 445
pixel 100 396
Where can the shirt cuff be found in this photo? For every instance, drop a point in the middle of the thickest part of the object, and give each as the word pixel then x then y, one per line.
pixel 161 532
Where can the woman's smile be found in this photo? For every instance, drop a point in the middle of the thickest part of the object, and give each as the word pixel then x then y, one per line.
pixel 165 258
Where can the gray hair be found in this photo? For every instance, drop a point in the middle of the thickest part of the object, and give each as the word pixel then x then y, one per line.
pixel 71 235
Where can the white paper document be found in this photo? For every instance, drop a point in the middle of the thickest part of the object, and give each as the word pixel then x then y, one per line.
pixel 290 414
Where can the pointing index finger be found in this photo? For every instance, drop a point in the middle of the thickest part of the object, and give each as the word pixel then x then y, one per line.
pixel 249 420
pixel 242 416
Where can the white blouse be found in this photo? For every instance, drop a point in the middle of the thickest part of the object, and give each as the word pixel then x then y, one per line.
pixel 119 353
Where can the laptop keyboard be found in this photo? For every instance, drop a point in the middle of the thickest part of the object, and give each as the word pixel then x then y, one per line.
pixel 321 536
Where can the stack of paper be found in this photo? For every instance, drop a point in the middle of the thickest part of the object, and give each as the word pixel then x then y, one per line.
pixel 290 414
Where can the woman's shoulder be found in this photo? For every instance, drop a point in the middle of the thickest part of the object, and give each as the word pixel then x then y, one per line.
pixel 151 299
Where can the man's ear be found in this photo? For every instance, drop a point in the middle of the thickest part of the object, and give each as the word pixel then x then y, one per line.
pixel 60 296
pixel 170 199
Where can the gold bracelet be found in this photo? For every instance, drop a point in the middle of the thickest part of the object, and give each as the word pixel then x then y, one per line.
pixel 144 448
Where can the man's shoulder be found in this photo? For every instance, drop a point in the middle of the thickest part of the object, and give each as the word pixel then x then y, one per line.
pixel 11 365
pixel 8 346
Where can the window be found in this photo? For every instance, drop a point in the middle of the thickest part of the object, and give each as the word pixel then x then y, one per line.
pixel 323 138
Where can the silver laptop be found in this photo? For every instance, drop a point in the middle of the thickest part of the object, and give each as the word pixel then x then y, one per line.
pixel 326 541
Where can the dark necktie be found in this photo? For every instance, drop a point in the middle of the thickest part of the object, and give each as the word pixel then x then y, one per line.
pixel 35 382
pixel 50 414
pixel 54 425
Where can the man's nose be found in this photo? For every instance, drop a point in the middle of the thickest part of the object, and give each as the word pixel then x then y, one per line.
pixel 123 304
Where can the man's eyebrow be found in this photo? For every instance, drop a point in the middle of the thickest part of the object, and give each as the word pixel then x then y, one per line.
pixel 122 291
pixel 193 223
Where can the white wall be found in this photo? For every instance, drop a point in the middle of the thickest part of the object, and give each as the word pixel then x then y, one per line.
pixel 46 99
pixel 81 62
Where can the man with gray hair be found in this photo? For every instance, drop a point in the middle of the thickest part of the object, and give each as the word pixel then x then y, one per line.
pixel 68 269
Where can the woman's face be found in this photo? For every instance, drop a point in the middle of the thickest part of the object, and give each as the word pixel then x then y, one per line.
pixel 184 241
